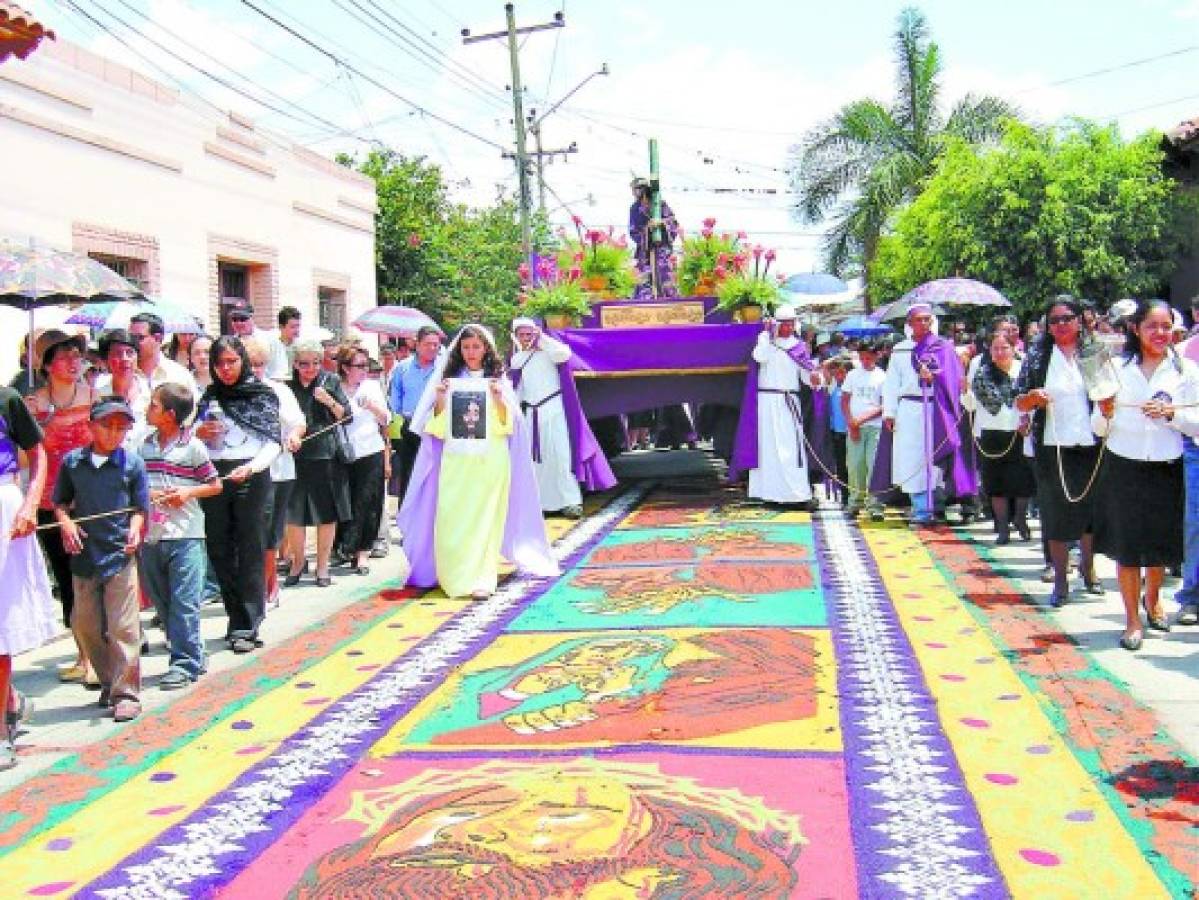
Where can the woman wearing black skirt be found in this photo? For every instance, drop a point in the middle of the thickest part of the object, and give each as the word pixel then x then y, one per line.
pixel 367 473
pixel 1139 510
pixel 321 495
pixel 1067 455
pixel 1006 474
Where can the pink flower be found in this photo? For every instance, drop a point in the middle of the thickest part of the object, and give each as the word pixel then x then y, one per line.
pixel 578 257
pixel 741 235
pixel 595 236
pixel 523 271
pixel 722 259
pixel 720 271
pixel 771 256
pixel 575 273
pixel 577 220
pixel 757 251
pixel 414 240
pixel 623 242
pixel 707 232
pixel 709 223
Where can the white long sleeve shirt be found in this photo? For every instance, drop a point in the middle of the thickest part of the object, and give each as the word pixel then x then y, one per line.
pixel 1133 435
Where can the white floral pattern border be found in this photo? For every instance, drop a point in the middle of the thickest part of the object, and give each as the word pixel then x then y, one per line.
pixel 200 854
pixel 916 829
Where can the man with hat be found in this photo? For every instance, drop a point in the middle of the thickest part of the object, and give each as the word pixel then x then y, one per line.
pixel 107 486
pixel 783 365
pixel 565 451
pixel 921 409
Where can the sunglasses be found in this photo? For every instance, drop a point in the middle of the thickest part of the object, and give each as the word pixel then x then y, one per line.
pixel 1062 320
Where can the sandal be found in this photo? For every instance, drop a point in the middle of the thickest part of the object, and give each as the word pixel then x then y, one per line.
pixel 1094 587
pixel 15 717
pixel 293 578
pixel 323 581
pixel 360 570
pixel 72 674
pixel 1132 641
pixel 1157 622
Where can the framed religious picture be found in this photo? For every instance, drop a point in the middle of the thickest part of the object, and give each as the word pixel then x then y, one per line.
pixel 467 405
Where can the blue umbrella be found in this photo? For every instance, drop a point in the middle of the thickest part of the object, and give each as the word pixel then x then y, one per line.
pixel 816 289
pixel 862 326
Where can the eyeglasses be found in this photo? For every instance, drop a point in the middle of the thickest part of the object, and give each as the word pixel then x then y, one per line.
pixel 239 318
pixel 1062 320
pixel 306 363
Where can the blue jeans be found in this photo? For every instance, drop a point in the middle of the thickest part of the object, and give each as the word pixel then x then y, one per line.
pixel 1190 525
pixel 173 575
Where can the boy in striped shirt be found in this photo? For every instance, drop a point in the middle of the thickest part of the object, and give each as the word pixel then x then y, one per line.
pixel 173 557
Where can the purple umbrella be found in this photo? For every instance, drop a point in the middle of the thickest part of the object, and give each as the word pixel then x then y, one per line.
pixel 955 292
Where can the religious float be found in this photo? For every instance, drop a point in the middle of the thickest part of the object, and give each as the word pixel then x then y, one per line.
pixel 650 330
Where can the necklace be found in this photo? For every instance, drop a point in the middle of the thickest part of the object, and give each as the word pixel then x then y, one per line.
pixel 53 407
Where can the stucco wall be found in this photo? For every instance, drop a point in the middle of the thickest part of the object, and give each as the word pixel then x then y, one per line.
pixel 91 148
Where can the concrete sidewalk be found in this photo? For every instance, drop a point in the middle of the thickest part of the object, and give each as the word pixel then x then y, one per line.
pixel 1163 675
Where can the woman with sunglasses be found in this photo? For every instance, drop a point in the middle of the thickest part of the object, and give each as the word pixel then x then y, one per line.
pixel 321 495
pixel 1051 387
pixel 368 472
pixel 1139 508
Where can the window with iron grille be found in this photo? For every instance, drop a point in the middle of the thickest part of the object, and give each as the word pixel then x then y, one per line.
pixel 135 271
pixel 331 309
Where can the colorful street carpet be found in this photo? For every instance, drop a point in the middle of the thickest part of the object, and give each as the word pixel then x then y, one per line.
pixel 716 699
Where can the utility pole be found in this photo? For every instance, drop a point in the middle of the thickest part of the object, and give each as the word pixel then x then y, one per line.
pixel 539 155
pixel 522 155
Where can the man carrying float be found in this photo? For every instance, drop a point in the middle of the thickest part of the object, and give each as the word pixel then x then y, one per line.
pixel 921 408
pixel 564 449
pixel 778 465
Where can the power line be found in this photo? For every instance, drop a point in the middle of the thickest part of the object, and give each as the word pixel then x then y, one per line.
pixel 1109 69
pixel 311 115
pixel 444 121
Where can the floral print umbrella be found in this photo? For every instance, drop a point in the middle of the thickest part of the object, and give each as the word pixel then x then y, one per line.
pixel 32 276
pixel 117 313
pixel 403 321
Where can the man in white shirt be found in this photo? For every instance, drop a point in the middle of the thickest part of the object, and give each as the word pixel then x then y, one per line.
pixel 862 405
pixel 241 323
pixel 148 333
pixel 540 394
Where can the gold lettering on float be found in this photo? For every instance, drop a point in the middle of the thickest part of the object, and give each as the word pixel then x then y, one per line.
pixel 651 315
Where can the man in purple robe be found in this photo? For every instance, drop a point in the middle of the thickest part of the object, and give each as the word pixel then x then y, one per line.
pixel 921 409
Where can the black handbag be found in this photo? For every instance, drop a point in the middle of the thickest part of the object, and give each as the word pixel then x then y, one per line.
pixel 343 449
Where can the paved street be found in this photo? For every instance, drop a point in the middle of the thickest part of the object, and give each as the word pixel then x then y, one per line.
pixel 715 698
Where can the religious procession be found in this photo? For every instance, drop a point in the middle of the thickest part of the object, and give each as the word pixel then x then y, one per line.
pixel 363 536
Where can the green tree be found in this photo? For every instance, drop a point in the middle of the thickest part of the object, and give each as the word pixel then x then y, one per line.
pixel 1076 210
pixel 871 158
pixel 456 263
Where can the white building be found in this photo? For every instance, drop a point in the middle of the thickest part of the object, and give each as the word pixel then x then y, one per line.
pixel 198 207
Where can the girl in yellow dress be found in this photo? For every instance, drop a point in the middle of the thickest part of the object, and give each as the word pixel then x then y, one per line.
pixel 473 495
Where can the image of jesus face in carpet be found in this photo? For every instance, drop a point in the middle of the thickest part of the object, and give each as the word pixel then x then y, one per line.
pixel 468 418
pixel 621 689
pixel 570 829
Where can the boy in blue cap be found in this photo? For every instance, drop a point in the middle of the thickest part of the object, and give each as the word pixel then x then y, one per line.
pixel 106 489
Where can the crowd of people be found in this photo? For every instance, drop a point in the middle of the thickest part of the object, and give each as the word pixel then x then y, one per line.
pixel 163 475
pixel 1085 419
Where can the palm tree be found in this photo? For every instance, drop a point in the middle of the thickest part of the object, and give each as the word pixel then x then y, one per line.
pixel 870 159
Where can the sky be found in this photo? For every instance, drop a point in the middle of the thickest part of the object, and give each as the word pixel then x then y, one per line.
pixel 728 89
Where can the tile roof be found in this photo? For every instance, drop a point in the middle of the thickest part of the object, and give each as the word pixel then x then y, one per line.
pixel 20 31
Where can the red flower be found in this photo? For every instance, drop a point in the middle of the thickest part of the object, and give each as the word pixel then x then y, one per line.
pixel 771 256
pixel 523 271
pixel 720 271
pixel 577 220
pixel 576 273
pixel 623 242
pixel 414 240
pixel 757 251
pixel 709 223
pixel 741 235
pixel 722 259
pixel 707 232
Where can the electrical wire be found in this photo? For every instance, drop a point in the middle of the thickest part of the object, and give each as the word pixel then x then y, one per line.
pixel 372 80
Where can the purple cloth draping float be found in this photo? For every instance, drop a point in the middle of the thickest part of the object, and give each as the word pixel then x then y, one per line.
pixel 647 368
pixel 587 460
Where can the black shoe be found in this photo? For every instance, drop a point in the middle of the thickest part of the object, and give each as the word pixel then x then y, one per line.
pixel 1132 641
pixel 1023 530
pixel 293 580
pixel 337 559
pixel 1057 599
pixel 1003 538
pixel 243 645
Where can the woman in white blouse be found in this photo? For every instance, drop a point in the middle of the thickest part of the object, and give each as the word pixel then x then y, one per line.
pixel 1139 510
pixel 1006 474
pixel 1051 387
pixel 368 473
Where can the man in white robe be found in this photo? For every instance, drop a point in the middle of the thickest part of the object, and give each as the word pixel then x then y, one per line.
pixel 907 406
pixel 540 394
pixel 782 472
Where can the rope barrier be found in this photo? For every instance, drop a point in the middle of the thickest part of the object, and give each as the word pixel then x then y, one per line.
pixel 133 509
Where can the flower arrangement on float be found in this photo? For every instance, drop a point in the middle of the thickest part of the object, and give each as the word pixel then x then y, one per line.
pixel 709 258
pixel 604 261
pixel 747 294
pixel 555 296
